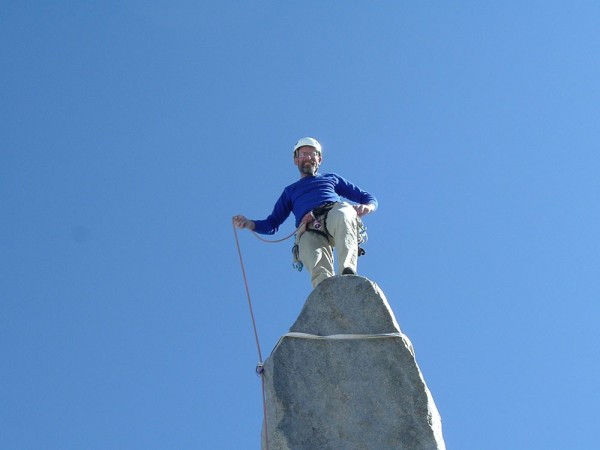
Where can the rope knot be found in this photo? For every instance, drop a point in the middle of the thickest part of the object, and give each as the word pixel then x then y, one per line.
pixel 260 369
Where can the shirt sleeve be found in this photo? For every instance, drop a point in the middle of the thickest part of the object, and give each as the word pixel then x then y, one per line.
pixel 352 192
pixel 281 211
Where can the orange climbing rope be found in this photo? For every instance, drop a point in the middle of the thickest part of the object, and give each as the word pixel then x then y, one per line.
pixel 260 365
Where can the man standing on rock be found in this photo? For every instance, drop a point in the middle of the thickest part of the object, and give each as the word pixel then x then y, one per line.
pixel 324 221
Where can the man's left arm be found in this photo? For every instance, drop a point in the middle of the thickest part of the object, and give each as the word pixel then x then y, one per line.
pixel 364 209
pixel 367 203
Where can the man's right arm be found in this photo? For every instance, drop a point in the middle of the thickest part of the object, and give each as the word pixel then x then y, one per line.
pixel 241 222
pixel 280 213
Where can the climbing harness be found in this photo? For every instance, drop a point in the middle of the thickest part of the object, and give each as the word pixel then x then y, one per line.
pixel 319 226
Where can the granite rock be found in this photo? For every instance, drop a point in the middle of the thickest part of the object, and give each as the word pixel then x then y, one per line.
pixel 346 378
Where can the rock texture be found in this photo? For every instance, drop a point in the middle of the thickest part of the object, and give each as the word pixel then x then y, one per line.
pixel 345 377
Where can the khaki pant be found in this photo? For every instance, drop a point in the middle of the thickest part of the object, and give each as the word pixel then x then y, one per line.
pixel 316 252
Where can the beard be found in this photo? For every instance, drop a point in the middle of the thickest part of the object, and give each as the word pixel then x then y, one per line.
pixel 308 168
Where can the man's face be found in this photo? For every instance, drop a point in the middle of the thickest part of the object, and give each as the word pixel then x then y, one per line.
pixel 308 160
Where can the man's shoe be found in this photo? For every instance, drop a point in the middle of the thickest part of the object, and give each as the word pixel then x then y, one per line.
pixel 348 271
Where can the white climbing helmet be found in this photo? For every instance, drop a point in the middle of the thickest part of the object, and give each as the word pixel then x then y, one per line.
pixel 308 141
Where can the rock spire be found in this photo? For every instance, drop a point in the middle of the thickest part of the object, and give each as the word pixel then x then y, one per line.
pixel 346 378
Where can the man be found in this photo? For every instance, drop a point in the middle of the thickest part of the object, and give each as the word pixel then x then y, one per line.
pixel 323 220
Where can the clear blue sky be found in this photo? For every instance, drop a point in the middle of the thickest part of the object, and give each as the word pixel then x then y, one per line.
pixel 131 132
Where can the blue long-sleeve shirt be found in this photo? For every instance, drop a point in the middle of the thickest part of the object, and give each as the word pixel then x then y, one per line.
pixel 308 193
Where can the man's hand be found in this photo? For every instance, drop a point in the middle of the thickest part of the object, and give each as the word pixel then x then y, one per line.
pixel 241 222
pixel 363 210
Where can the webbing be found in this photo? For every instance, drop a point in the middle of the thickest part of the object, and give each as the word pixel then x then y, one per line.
pixel 296 334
